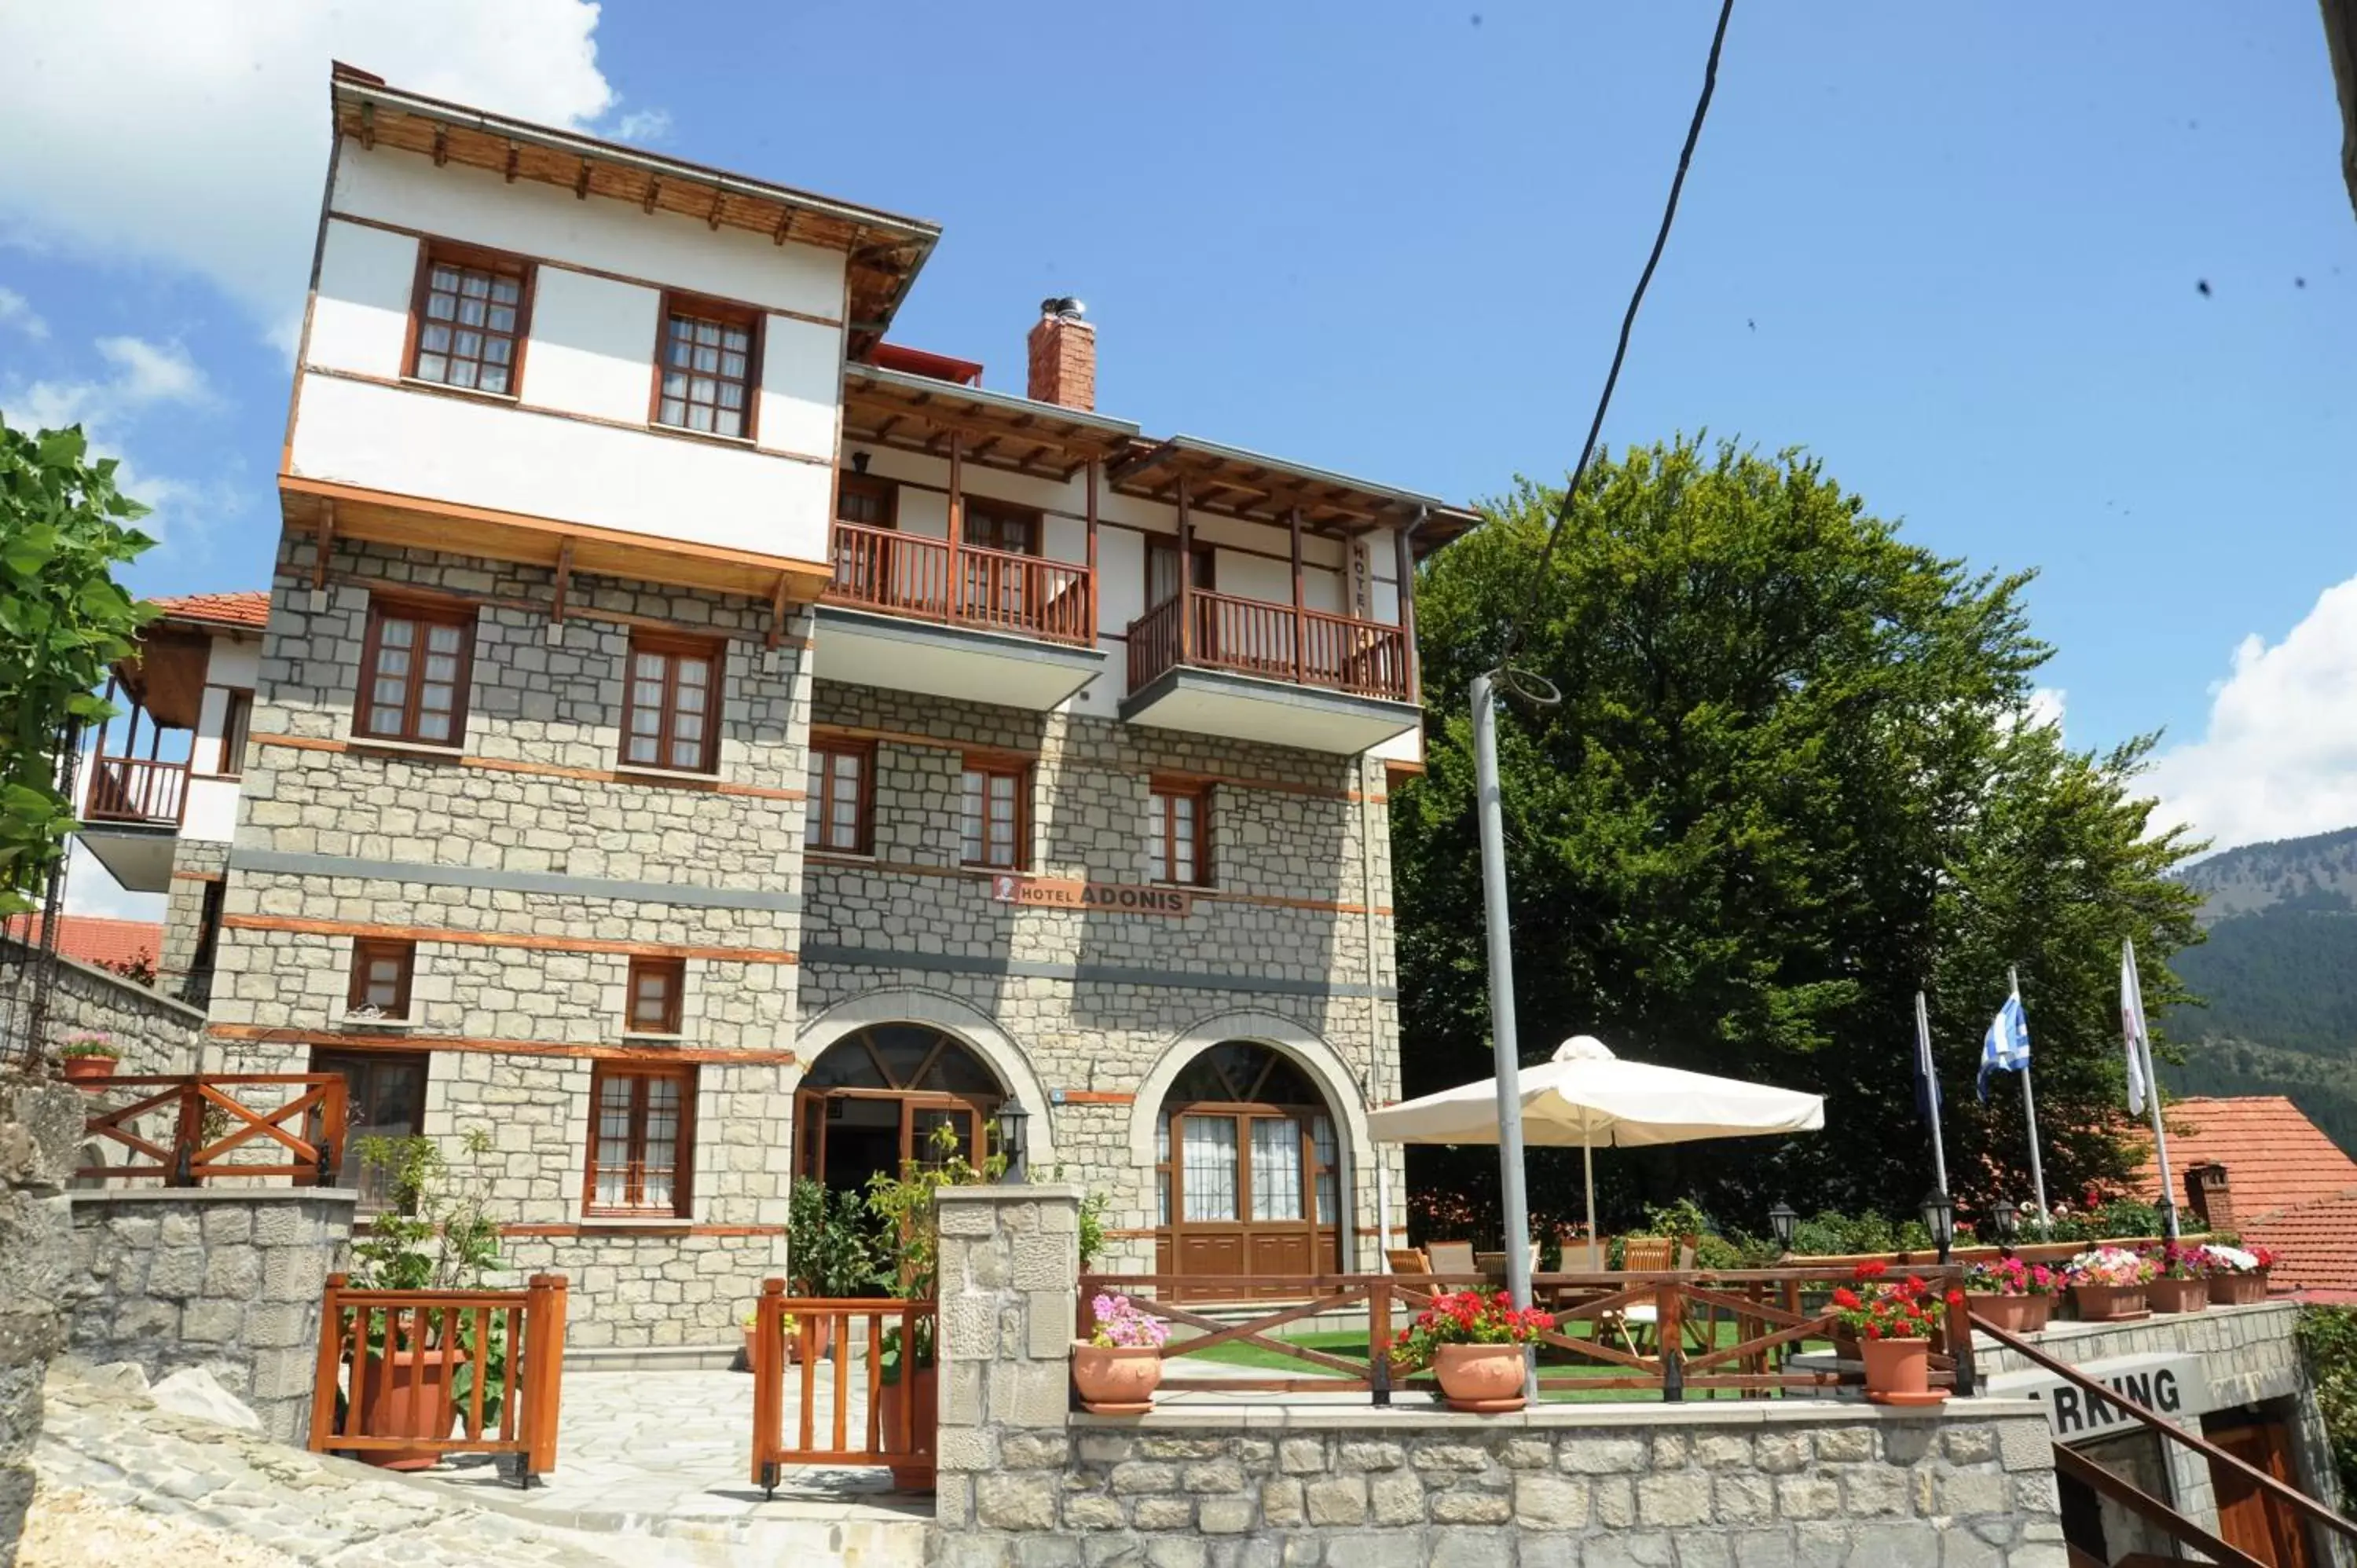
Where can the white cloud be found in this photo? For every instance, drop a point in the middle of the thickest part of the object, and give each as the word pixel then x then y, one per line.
pixel 15 312
pixel 2046 705
pixel 145 376
pixel 643 125
pixel 2279 757
pixel 91 890
pixel 153 373
pixel 194 133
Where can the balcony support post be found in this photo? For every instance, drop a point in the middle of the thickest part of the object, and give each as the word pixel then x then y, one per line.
pixel 1403 541
pixel 1090 599
pixel 1300 625
pixel 1186 579
pixel 956 587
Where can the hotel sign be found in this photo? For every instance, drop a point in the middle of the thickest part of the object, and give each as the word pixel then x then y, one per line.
pixel 2171 1383
pixel 1103 898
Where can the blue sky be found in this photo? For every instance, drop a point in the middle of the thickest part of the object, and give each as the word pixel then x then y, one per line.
pixel 1955 253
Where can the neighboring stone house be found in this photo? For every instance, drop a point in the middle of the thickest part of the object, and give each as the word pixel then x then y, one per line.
pixel 698 743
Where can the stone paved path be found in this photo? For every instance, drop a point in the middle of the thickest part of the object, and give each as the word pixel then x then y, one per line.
pixel 113 1448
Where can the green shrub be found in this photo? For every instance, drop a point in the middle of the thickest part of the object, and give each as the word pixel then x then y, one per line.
pixel 2327 1340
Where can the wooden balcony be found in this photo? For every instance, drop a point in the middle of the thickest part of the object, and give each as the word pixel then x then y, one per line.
pixel 1364 665
pixel 138 791
pixel 918 613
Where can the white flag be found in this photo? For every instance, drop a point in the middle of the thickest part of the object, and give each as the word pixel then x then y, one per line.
pixel 2132 1031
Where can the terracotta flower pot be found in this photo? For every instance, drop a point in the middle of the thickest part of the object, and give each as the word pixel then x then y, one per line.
pixel 2178 1295
pixel 2016 1314
pixel 1116 1380
pixel 89 1069
pixel 407 1393
pixel 1486 1379
pixel 1898 1371
pixel 915 1472
pixel 2238 1290
pixel 2108 1304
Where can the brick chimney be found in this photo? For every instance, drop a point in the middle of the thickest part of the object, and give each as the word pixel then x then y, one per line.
pixel 1064 356
pixel 2207 1193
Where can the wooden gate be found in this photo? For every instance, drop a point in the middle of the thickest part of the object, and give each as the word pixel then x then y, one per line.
pixel 400 1369
pixel 873 1404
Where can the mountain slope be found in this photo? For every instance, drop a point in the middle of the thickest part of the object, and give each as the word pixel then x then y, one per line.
pixel 2258 876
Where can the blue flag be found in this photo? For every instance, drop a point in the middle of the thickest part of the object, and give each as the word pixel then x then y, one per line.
pixel 2006 1047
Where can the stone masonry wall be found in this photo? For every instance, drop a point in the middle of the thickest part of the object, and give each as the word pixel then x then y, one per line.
pixel 196 867
pixel 154 1033
pixel 40 1127
pixel 229 1280
pixel 528 870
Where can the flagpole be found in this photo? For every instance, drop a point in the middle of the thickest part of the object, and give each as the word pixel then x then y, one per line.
pixel 2143 1038
pixel 1932 1082
pixel 2030 1107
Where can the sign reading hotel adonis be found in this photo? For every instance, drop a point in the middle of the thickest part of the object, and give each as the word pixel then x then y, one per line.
pixel 1060 892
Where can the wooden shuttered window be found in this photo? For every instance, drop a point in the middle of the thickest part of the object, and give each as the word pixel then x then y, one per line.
pixel 641 1134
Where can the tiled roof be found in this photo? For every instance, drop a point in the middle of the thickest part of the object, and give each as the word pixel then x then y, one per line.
pixel 94 940
pixel 250 609
pixel 2275 1157
pixel 2317 1246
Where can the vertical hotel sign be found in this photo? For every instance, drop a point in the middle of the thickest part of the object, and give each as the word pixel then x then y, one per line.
pixel 1101 897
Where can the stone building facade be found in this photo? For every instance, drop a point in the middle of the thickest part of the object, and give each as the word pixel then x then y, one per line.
pixel 699 746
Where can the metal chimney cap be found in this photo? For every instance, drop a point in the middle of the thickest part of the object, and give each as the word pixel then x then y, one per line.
pixel 1064 306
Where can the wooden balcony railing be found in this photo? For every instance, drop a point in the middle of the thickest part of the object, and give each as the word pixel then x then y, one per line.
pixel 136 790
pixel 188 1129
pixel 998 590
pixel 1250 637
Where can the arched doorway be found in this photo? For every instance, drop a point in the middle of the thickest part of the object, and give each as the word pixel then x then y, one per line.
pixel 1247 1168
pixel 877 1097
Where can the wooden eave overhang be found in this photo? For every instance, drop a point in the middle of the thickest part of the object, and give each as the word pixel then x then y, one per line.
pixel 918 413
pixel 884 250
pixel 1257 489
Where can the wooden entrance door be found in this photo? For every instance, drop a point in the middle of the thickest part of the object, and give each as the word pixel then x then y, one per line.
pixel 1249 1172
pixel 2248 1519
pixel 874 1099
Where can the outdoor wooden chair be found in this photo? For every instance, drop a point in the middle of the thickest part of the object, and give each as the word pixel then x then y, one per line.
pixel 1638 1321
pixel 1452 1258
pixel 1406 1260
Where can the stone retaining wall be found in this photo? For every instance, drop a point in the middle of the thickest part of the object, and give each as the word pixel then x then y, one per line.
pixel 40 1125
pixel 154 1033
pixel 227 1279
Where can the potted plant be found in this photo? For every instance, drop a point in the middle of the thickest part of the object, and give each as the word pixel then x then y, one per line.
pixel 2011 1294
pixel 2238 1275
pixel 434 1235
pixel 2180 1281
pixel 1893 1325
pixel 2107 1284
pixel 829 1256
pixel 88 1057
pixel 752 1324
pixel 903 1208
pixel 1117 1368
pixel 1473 1342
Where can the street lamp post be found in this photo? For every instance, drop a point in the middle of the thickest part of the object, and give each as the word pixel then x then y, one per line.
pixel 1939 1218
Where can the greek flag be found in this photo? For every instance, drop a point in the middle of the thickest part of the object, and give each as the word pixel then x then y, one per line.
pixel 2006 1047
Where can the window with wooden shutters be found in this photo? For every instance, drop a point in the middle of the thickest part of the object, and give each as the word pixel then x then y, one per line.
pixel 993 817
pixel 1162 569
pixel 868 502
pixel 641 1130
pixel 671 704
pixel 470 320
pixel 414 665
pixel 1180 838
pixel 381 975
pixel 237 712
pixel 708 368
pixel 656 990
pixel 840 775
pixel 997 525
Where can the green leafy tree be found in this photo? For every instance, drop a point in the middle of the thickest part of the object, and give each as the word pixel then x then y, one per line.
pixel 1791 779
pixel 64 528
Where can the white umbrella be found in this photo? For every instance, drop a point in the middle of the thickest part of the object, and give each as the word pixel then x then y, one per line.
pixel 1588 1097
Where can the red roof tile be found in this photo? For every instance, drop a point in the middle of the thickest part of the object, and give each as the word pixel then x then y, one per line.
pixel 2315 1243
pixel 94 940
pixel 2275 1157
pixel 249 608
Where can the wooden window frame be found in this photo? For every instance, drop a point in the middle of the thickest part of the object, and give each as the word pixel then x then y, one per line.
pixel 1001 512
pixel 989 767
pixel 1206 557
pixel 237 724
pixel 702 307
pixel 372 1186
pixel 820 807
pixel 1161 803
pixel 674 970
pixel 425 612
pixel 684 1164
pixel 671 650
pixel 367 951
pixel 476 256
pixel 885 490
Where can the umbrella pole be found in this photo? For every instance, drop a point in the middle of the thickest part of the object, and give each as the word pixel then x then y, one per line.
pixel 1513 1201
pixel 1588 1164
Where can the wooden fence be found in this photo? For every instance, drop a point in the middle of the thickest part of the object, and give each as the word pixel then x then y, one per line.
pixel 1668 1326
pixel 879 1404
pixel 216 1132
pixel 400 1371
